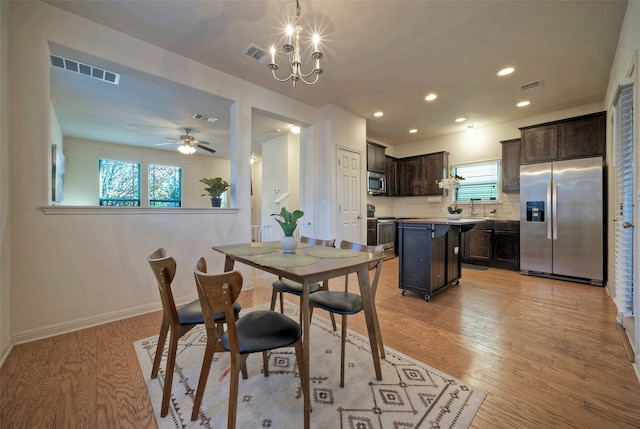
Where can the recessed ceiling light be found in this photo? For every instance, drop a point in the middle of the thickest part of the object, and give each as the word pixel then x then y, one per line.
pixel 523 103
pixel 378 114
pixel 506 71
pixel 413 131
pixel 431 97
pixel 295 129
pixel 461 119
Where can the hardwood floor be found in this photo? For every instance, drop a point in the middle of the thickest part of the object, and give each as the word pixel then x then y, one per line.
pixel 547 353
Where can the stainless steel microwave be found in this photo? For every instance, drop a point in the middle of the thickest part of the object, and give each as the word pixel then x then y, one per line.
pixel 376 183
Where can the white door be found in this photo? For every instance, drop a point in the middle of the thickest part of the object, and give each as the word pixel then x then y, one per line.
pixel 349 196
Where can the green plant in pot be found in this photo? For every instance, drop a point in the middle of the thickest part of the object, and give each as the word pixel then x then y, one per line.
pixel 215 188
pixel 454 212
pixel 288 222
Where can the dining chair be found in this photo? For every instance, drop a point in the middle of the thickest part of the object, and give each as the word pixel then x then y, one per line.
pixel 346 303
pixel 175 321
pixel 257 331
pixel 282 285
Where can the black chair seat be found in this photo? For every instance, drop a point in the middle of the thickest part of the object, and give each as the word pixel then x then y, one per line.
pixel 295 288
pixel 264 330
pixel 192 313
pixel 337 302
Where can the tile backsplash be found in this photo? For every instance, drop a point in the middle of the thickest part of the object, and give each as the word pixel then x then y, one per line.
pixel 429 207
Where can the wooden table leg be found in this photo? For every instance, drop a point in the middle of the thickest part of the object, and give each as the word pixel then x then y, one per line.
pixel 228 263
pixel 370 317
pixel 306 324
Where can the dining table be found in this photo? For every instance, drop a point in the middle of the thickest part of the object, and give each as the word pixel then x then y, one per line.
pixel 307 265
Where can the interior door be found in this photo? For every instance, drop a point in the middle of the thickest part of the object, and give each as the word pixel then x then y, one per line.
pixel 349 196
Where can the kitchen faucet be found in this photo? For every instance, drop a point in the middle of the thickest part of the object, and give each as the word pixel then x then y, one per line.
pixel 473 213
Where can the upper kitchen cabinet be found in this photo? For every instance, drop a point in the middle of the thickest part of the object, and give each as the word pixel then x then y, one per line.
pixel 391 173
pixel 579 137
pixel 418 174
pixel 375 157
pixel 511 165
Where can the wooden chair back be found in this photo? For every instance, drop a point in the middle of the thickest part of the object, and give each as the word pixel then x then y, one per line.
pixel 217 294
pixel 164 270
pixel 318 241
pixel 377 265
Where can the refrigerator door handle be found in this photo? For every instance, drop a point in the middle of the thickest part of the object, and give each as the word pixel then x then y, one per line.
pixel 548 220
pixel 554 208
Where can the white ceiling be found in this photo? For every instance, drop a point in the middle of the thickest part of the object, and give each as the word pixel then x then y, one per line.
pixel 378 55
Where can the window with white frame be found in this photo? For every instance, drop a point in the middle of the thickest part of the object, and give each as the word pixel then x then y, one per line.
pixel 480 182
pixel 165 186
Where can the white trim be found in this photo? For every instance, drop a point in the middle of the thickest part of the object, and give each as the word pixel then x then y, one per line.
pixel 88 322
pixel 101 210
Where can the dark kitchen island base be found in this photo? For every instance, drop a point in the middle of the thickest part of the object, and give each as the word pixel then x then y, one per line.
pixel 429 254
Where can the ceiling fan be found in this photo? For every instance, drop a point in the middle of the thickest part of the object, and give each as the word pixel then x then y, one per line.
pixel 188 144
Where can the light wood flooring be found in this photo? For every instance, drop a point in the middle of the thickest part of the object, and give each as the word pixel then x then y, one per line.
pixel 547 352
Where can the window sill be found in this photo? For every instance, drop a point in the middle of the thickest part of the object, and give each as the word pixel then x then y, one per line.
pixel 97 210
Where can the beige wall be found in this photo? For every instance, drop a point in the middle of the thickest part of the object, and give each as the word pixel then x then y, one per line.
pixel 5 224
pixel 81 187
pixel 75 270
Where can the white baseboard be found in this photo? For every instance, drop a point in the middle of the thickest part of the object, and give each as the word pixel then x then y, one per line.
pixel 87 322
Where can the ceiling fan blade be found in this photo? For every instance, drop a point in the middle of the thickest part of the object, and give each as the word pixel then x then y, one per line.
pixel 164 144
pixel 206 148
pixel 201 142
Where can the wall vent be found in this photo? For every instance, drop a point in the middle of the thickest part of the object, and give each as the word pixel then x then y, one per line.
pixel 85 69
pixel 532 85
pixel 205 118
pixel 256 54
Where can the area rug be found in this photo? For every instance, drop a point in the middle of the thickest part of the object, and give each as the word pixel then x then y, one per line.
pixel 410 395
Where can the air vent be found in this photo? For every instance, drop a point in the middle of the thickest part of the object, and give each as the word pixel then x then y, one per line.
pixel 530 86
pixel 256 54
pixel 85 69
pixel 205 118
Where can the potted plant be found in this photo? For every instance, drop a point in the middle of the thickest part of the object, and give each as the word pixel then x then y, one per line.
pixel 288 222
pixel 215 187
pixel 454 212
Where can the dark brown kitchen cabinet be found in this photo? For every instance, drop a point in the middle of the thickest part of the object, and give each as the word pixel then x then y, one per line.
pixel 579 137
pixel 506 245
pixel 375 157
pixel 409 174
pixel 493 244
pixel 391 173
pixel 478 244
pixel 418 174
pixel 511 165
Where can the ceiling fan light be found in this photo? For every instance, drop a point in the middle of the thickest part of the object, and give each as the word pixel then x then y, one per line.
pixel 187 150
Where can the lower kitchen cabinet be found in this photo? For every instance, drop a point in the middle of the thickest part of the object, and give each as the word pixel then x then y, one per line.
pixel 493 244
pixel 429 257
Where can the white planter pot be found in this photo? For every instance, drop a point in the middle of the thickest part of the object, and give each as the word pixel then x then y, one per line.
pixel 289 244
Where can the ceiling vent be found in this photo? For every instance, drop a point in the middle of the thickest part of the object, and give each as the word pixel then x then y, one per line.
pixel 256 54
pixel 530 86
pixel 85 69
pixel 205 118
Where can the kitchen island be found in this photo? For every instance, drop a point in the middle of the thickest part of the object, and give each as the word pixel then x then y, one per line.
pixel 429 254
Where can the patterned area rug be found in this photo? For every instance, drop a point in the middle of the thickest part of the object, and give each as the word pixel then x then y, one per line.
pixel 411 394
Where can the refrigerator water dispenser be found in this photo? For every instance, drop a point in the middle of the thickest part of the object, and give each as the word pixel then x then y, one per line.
pixel 535 211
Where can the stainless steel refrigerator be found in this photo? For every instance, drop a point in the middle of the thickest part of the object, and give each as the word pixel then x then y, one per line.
pixel 562 220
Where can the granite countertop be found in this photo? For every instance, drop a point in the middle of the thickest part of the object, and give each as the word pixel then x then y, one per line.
pixel 443 221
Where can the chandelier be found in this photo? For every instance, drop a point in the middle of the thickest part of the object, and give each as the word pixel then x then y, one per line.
pixel 292 49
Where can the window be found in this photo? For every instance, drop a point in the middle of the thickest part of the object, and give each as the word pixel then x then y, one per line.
pixel 480 181
pixel 165 186
pixel 119 183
